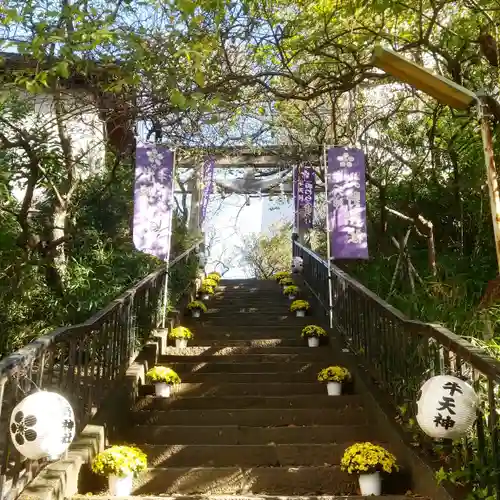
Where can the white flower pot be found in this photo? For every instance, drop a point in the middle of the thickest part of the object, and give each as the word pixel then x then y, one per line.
pixel 301 313
pixel 196 313
pixel 291 297
pixel 163 390
pixel 313 341
pixel 120 486
pixel 334 388
pixel 181 343
pixel 205 297
pixel 370 484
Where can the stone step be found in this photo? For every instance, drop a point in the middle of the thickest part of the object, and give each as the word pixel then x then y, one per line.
pixel 265 455
pixel 246 378
pixel 201 389
pixel 241 402
pixel 257 319
pixel 312 355
pixel 241 497
pixel 237 480
pixel 247 348
pixel 233 434
pixel 306 368
pixel 266 343
pixel 352 412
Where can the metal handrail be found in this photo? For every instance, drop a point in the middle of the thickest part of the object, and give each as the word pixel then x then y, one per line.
pixel 401 354
pixel 84 362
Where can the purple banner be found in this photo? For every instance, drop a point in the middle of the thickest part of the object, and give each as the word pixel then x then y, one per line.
pixel 153 200
pixel 295 201
pixel 305 195
pixel 346 193
pixel 208 185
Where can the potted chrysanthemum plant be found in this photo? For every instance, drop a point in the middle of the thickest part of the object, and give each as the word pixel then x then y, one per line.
pixel 196 307
pixel 300 307
pixel 280 275
pixel 285 282
pixel 214 276
pixel 369 461
pixel 163 379
pixel 313 333
pixel 291 291
pixel 205 291
pixel 120 464
pixel 210 282
pixel 181 334
pixel 334 376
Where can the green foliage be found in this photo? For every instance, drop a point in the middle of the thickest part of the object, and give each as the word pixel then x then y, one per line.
pixel 163 374
pixel 280 275
pixel 266 254
pixel 120 461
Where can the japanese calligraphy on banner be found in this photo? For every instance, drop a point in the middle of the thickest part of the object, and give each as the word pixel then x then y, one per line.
pixel 208 185
pixel 447 407
pixel 153 200
pixel 346 205
pixel 305 195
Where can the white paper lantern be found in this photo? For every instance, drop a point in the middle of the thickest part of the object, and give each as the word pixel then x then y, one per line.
pixel 42 425
pixel 297 265
pixel 446 407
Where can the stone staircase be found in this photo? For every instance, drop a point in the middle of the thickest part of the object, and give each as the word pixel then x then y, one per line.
pixel 249 420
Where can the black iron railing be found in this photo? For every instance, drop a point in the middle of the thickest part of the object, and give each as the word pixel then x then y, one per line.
pixel 82 362
pixel 400 355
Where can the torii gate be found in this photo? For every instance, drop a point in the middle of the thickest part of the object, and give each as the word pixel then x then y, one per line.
pixel 268 157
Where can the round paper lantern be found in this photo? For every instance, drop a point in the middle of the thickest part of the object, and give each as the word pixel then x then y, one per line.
pixel 297 265
pixel 446 407
pixel 42 425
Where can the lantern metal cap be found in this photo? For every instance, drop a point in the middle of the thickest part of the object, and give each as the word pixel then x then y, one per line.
pixel 444 90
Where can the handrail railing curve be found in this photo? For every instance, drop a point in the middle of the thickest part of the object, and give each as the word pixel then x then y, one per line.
pixel 83 362
pixel 401 354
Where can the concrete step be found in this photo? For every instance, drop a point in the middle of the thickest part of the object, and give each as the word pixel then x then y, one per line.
pixel 315 355
pixel 266 455
pixel 244 332
pixel 246 378
pixel 267 343
pixel 257 319
pixel 352 412
pixel 247 348
pixel 233 434
pixel 306 368
pixel 241 497
pixel 237 480
pixel 241 402
pixel 231 389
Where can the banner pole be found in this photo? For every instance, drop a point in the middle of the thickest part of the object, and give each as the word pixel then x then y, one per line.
pixel 328 243
pixel 167 258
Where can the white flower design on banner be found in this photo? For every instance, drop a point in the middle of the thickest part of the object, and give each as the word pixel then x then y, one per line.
pixel 345 160
pixel 155 157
